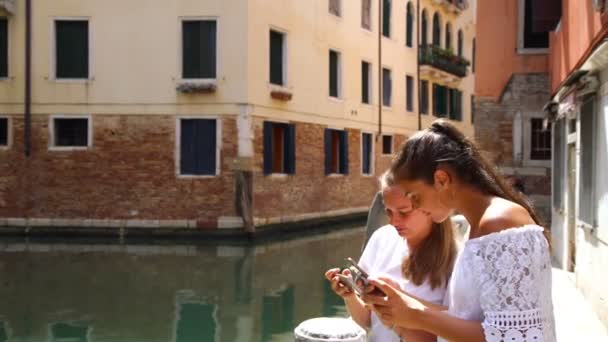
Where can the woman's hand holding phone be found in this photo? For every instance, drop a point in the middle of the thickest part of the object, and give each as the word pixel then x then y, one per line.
pixel 341 282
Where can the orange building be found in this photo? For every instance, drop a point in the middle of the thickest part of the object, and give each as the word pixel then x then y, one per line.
pixel 511 87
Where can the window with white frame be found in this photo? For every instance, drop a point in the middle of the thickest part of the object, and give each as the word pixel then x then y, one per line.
pixel 71 132
pixel 409 25
pixel 409 93
pixel 540 140
pixel 386 17
pixel 199 49
pixel 277 58
pixel 336 151
pixel 529 38
pixel 72 49
pixel 198 149
pixel 334 74
pixel 366 14
pixel 387 144
pixel 387 87
pixel 279 148
pixel 3 47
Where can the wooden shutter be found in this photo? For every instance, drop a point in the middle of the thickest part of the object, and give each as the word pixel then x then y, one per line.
pixel 386 87
pixel 365 82
pixel 3 47
pixel 328 151
pixel 290 149
pixel 409 34
pixel 3 131
pixel 409 96
pixel 424 97
pixel 366 8
pixel 333 74
pixel 72 48
pixel 545 15
pixel 199 49
pixel 344 152
pixel 198 147
pixel 386 18
pixel 267 147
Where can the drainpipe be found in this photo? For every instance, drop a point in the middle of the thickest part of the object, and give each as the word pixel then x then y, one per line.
pixel 28 79
pixel 418 62
pixel 379 69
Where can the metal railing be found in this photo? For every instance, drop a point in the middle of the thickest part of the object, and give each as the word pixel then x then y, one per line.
pixel 443 60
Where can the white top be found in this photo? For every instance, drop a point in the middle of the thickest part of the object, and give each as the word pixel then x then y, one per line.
pixel 503 280
pixel 383 256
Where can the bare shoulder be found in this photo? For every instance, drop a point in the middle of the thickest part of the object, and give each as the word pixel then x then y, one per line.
pixel 503 214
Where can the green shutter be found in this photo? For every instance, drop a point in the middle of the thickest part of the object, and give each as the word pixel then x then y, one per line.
pixel 72 48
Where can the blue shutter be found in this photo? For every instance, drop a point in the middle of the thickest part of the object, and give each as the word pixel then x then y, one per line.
pixel 366 147
pixel 198 147
pixel 344 152
pixel 327 151
pixel 267 147
pixel 290 149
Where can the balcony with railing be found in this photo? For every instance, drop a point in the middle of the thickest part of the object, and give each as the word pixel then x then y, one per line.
pixel 455 6
pixel 7 6
pixel 441 63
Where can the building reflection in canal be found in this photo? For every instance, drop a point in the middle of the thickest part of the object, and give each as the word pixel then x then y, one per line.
pixel 132 292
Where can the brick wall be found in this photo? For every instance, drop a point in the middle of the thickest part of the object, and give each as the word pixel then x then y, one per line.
pixel 494 132
pixel 129 173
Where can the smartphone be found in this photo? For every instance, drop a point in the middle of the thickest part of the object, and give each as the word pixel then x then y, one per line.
pixel 362 275
pixel 349 283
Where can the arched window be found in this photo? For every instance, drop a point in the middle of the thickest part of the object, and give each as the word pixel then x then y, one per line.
pixel 424 28
pixel 448 36
pixel 460 43
pixel 409 22
pixel 436 29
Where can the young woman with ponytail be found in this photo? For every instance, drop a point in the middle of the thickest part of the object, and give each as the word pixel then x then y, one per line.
pixel 500 288
pixel 414 253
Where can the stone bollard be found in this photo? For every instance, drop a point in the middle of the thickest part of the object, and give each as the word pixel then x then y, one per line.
pixel 333 329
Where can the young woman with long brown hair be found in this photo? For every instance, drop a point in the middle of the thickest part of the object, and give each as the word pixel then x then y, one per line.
pixel 416 254
pixel 500 288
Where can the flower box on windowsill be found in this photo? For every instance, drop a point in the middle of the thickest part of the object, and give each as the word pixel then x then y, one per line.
pixel 196 87
pixel 281 95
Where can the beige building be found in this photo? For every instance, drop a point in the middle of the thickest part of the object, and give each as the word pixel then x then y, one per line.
pixel 204 113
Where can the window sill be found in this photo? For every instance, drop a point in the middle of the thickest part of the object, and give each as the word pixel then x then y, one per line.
pixel 387 108
pixel 196 86
pixel 69 148
pixel 386 154
pixel 366 175
pixel 197 176
pixel 278 175
pixel 5 147
pixel 336 99
pixel 533 51
pixel 336 175
pixel 72 80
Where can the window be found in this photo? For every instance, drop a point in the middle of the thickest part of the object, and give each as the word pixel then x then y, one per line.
pixel 540 141
pixel 3 132
pixel 387 144
pixel 588 157
pixel 473 56
pixel 196 322
pixel 198 147
pixel 472 109
pixel 65 332
pixel 409 93
pixel 424 97
pixel 386 18
pixel 448 36
pixel 3 47
pixel 455 102
pixel 436 30
pixel 440 100
pixel 336 151
pixel 530 38
pixel 279 148
pixel 335 7
pixel 386 87
pixel 334 74
pixel 424 28
pixel 277 58
pixel 558 169
pixel 199 44
pixel 70 132
pixel 367 155
pixel 409 25
pixel 366 84
pixel 72 49
pixel 366 14
pixel 460 43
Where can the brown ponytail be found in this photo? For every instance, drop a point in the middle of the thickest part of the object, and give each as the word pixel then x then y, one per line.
pixel 444 143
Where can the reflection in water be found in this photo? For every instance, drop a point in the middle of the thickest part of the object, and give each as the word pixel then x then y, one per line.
pixel 117 292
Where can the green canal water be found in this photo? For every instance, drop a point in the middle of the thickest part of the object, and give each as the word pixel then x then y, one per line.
pixel 67 291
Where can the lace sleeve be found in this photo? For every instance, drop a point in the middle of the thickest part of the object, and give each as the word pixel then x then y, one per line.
pixel 514 275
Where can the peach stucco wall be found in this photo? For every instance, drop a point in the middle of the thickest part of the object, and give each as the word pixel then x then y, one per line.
pixel 579 26
pixel 497 58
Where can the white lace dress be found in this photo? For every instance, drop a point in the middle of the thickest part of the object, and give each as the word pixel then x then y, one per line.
pixel 503 280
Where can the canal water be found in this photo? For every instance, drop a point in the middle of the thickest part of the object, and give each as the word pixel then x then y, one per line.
pixel 64 291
